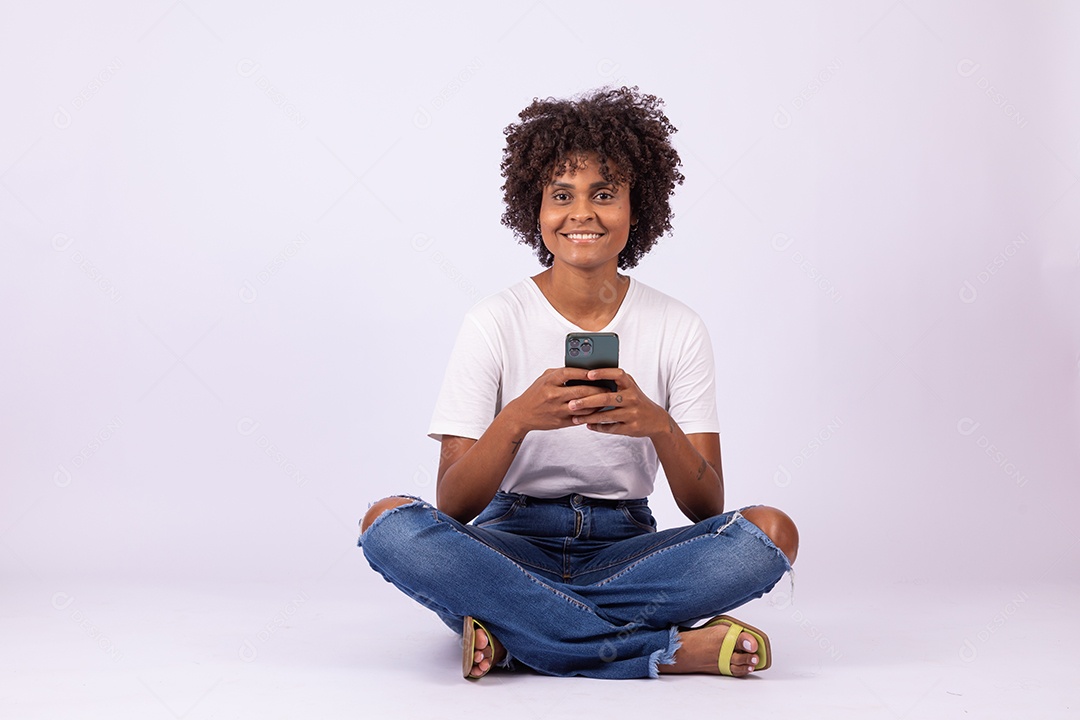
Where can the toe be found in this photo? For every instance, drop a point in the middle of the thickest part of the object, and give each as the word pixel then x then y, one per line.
pixel 747 643
pixel 481 665
pixel 489 652
pixel 743 663
pixel 483 656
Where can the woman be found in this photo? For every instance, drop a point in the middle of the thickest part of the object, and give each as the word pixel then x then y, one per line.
pixel 562 569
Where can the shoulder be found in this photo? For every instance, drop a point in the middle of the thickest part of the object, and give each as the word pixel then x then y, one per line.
pixel 504 304
pixel 505 312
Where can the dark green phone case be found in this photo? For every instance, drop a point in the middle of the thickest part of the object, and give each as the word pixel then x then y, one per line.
pixel 592 351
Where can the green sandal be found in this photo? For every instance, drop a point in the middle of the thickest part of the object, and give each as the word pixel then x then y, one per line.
pixel 468 648
pixel 723 661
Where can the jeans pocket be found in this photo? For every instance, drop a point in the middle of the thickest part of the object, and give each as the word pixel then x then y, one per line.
pixel 640 516
pixel 502 507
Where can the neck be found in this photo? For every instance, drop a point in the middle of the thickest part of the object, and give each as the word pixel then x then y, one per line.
pixel 587 298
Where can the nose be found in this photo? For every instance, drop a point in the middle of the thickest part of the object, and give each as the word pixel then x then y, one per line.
pixel 581 210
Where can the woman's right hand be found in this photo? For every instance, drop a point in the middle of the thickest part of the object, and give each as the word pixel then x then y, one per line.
pixel 545 405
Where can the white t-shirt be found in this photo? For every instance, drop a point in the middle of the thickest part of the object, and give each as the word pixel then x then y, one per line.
pixel 509 339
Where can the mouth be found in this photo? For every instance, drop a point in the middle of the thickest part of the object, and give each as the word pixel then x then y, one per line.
pixel 583 237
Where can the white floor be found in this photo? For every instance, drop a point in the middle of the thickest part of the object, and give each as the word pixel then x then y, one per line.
pixel 350 646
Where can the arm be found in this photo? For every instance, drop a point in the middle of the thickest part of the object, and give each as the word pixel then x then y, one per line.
pixel 699 492
pixel 691 462
pixel 470 471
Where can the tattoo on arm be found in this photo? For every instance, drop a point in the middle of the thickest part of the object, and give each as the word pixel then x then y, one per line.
pixel 516 444
pixel 701 470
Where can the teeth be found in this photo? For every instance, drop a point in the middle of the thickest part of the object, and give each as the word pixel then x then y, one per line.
pixel 583 236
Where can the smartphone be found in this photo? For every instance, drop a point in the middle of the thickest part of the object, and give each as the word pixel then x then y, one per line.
pixel 592 351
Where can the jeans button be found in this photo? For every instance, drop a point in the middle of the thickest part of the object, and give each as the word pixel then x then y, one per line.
pixel 577 498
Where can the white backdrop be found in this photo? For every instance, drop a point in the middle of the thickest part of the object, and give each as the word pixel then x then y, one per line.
pixel 239 238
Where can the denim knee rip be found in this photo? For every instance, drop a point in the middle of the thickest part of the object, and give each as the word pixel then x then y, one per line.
pixel 382 516
pixel 760 534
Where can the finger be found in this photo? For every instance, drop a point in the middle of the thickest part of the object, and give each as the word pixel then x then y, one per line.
pixel 576 393
pixel 561 375
pixel 600 400
pixel 611 427
pixel 607 418
pixel 619 375
pixel 592 401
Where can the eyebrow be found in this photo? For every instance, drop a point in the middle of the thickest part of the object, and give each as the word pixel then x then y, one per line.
pixel 598 183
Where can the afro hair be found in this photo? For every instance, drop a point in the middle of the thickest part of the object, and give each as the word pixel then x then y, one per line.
pixel 629 134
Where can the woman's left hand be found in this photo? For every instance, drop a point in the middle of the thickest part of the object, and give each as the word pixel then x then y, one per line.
pixel 632 412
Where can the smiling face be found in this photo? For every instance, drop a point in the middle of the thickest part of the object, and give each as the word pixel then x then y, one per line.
pixel 584 219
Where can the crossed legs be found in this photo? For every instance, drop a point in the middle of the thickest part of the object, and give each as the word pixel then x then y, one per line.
pixel 699 647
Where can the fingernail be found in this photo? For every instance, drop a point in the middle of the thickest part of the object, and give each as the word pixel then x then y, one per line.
pixel 746 644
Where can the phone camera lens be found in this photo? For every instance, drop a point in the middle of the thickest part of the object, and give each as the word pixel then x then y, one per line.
pixel 574 343
pixel 573 352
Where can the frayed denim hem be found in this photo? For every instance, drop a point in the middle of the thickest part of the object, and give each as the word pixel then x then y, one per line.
pixel 391 511
pixel 665 657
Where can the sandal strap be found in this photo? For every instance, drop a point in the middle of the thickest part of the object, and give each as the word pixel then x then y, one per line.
pixel 727 648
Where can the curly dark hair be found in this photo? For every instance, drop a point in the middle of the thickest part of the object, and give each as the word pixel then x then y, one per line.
pixel 630 135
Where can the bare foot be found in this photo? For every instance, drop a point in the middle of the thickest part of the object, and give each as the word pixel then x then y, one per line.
pixel 489 652
pixel 701 647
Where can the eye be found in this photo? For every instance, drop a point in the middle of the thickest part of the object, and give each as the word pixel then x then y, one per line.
pixel 560 197
pixel 604 195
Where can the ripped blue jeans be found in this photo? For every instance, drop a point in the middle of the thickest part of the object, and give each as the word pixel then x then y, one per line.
pixel 574 585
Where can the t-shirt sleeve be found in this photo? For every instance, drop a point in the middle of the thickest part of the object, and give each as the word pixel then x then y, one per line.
pixel 469 397
pixel 692 389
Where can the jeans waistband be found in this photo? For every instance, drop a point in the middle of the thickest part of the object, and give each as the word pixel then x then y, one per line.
pixel 576 499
